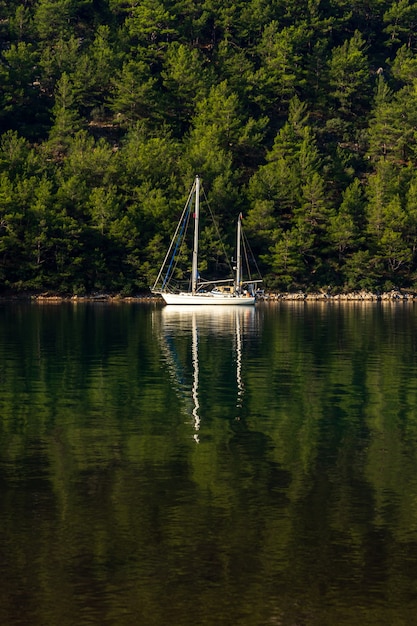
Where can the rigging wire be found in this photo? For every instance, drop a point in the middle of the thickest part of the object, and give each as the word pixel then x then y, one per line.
pixel 246 245
pixel 178 241
pixel 223 248
pixel 167 256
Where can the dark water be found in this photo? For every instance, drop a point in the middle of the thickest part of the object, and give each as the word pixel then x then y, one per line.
pixel 162 467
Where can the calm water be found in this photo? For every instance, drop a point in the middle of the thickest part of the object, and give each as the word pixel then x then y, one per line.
pixel 164 467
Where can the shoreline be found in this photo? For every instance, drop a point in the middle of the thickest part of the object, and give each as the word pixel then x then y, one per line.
pixel 395 295
pixel 299 296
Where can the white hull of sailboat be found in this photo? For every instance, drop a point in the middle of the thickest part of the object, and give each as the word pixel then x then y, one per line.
pixel 207 298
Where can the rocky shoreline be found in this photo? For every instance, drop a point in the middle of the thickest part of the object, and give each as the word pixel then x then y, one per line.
pixel 299 296
pixel 353 296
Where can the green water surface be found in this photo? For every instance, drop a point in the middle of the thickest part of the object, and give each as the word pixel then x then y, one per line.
pixel 163 467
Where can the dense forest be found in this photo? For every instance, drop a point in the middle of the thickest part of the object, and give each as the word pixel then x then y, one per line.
pixel 301 114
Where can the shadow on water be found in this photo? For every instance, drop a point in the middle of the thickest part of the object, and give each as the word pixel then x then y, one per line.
pixel 162 466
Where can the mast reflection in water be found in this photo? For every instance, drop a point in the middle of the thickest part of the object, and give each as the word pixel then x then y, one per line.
pixel 181 324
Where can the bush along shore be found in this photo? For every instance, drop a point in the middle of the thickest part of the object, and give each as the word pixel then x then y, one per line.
pixel 298 296
pixel 353 296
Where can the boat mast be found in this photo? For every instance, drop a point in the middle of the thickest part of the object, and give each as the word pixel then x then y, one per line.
pixel 194 271
pixel 238 280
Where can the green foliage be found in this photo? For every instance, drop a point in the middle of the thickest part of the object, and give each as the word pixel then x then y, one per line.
pixel 401 20
pixel 280 53
pixel 65 114
pixel 134 94
pixel 349 73
pixel 186 78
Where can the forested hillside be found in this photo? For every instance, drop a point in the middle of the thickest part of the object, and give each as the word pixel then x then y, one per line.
pixel 302 114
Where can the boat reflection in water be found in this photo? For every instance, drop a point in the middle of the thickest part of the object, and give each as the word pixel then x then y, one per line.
pixel 208 340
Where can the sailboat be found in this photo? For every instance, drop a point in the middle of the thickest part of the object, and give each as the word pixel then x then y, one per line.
pixel 232 291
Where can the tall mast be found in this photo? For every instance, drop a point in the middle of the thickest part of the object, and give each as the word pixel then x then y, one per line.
pixel 238 283
pixel 194 271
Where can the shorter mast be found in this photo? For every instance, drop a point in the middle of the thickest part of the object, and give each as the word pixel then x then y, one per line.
pixel 194 270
